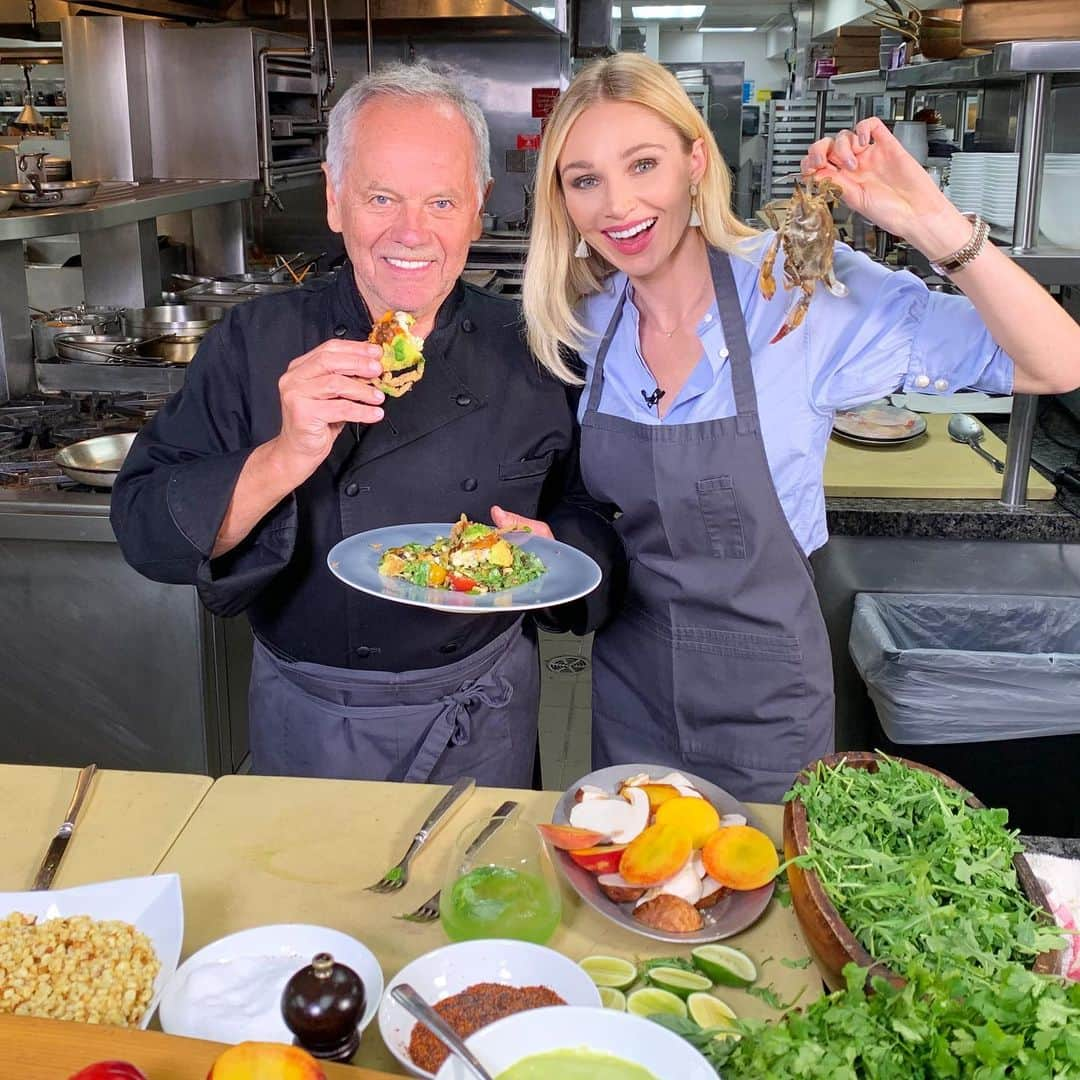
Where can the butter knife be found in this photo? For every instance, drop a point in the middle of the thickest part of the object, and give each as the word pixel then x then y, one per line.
pixel 59 842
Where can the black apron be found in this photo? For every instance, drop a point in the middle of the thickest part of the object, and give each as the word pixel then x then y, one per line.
pixel 475 717
pixel 719 661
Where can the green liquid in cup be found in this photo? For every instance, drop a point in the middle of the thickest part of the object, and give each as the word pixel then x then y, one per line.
pixel 499 902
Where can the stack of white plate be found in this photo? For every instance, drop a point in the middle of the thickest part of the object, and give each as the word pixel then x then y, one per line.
pixel 985 184
pixel 1059 213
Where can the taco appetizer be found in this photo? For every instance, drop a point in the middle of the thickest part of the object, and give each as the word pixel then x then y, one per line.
pixel 402 358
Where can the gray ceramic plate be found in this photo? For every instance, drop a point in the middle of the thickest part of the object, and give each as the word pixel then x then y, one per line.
pixel 734 913
pixel 570 575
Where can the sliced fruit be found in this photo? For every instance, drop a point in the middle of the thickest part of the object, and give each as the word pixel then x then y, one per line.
pixel 611 998
pixel 740 857
pixel 697 816
pixel 610 971
pixel 599 860
pixel 712 892
pixel 569 838
pixel 683 983
pixel 671 914
pixel 618 890
pixel 724 965
pixel 655 855
pixel 658 793
pixel 710 1012
pixel 653 1001
pixel 619 820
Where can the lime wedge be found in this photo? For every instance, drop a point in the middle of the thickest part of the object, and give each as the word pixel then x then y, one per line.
pixel 652 1001
pixel 724 965
pixel 611 998
pixel 710 1012
pixel 610 971
pixel 678 981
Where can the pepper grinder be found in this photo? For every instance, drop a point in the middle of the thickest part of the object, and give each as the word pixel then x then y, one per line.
pixel 321 1005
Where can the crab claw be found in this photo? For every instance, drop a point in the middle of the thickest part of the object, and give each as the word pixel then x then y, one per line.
pixel 794 318
pixel 837 288
pixel 766 279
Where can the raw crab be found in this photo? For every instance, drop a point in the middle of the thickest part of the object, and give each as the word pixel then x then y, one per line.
pixel 804 225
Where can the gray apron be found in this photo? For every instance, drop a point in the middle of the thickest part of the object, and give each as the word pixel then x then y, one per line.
pixel 719 661
pixel 475 717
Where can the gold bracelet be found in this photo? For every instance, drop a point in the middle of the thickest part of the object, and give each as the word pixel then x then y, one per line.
pixel 968 253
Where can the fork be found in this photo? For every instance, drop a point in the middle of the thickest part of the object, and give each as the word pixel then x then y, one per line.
pixel 396 877
pixel 428 911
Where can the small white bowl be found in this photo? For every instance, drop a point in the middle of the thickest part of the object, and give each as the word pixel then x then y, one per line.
pixel 152 904
pixel 632 1038
pixel 447 971
pixel 267 956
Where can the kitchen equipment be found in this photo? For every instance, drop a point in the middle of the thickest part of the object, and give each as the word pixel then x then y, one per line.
pixel 1059 215
pixel 52 193
pixel 878 423
pixel 97 348
pixel 966 429
pixel 172 319
pixel 735 912
pixel 911 134
pixel 172 348
pixel 830 941
pixel 47 326
pixel 987 22
pixel 396 877
pixel 96 462
pixel 428 911
pixel 7 200
pixel 409 999
pixel 60 841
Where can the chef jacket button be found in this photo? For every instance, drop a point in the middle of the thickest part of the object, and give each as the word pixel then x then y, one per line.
pixel 352 489
pixel 922 380
pixel 364 651
pixel 470 483
pixel 463 400
pixel 450 647
pixel 340 330
pixel 468 325
pixel 940 384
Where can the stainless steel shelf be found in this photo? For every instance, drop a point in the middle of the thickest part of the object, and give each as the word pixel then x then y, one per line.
pixel 859 82
pixel 1008 62
pixel 122 207
pixel 45 110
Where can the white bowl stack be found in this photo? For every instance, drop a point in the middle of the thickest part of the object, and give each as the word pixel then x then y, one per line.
pixel 1059 210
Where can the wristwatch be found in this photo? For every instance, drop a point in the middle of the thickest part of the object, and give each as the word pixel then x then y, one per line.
pixel 967 254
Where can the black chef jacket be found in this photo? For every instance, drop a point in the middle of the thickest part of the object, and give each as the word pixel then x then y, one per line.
pixel 485 425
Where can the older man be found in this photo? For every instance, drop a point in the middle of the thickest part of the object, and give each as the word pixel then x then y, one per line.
pixel 278 446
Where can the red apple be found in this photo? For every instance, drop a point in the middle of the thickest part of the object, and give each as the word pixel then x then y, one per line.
pixel 599 860
pixel 567 838
pixel 109 1070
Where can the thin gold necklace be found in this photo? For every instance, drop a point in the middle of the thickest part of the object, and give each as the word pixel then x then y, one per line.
pixel 656 322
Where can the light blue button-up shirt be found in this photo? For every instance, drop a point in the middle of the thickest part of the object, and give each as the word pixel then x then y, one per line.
pixel 889 333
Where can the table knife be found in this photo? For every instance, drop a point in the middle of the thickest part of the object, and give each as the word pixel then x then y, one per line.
pixel 59 842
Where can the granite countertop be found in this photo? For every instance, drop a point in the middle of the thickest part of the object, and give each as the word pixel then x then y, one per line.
pixel 1051 521
pixel 1062 846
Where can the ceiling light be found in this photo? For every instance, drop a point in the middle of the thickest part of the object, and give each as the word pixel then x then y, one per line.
pixel 674 11
pixel 727 29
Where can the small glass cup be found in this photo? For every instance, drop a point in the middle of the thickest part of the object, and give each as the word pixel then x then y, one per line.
pixel 503 886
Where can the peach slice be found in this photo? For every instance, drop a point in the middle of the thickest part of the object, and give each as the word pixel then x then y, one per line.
pixel 619 819
pixel 265 1061
pixel 740 857
pixel 568 838
pixel 599 860
pixel 697 816
pixel 654 856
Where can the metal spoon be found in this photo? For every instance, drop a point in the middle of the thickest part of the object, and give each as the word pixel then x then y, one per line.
pixel 966 429
pixel 412 1002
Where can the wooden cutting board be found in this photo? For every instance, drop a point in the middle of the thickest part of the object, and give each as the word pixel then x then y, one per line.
pixel 929 467
pixel 32 1049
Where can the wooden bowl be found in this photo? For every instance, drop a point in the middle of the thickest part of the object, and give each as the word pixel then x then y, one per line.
pixel 830 941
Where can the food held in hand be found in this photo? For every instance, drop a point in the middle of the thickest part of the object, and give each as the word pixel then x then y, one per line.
pixel 265 1061
pixel 76 968
pixel 474 558
pixel 469 1011
pixel 109 1070
pixel 402 358
pixel 576 1064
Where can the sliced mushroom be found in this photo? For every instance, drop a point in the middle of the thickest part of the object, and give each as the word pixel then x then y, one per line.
pixel 620 819
pixel 712 892
pixel 728 820
pixel 590 791
pixel 617 889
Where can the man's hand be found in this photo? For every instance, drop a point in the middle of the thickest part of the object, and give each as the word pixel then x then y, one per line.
pixel 321 392
pixel 508 522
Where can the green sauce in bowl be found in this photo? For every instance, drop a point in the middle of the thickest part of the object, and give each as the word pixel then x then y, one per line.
pixel 579 1064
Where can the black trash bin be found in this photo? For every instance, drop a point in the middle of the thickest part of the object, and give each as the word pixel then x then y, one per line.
pixel 984 688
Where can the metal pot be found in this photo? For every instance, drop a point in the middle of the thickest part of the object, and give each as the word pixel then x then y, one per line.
pixel 52 193
pixel 258 277
pixel 174 348
pixel 172 319
pixel 96 462
pixel 83 319
pixel 96 348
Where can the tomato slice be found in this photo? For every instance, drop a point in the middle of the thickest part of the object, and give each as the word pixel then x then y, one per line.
pixel 460 583
pixel 485 541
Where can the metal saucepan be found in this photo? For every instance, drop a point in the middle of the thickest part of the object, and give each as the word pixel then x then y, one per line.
pixel 96 348
pixel 52 193
pixel 172 319
pixel 95 462
pixel 173 348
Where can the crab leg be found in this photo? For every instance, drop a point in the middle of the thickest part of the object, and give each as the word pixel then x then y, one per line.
pixel 766 280
pixel 795 316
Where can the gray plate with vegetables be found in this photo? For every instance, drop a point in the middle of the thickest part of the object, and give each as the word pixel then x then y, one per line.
pixel 568 573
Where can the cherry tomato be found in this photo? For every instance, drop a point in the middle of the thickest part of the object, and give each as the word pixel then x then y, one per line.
pixel 460 583
pixel 110 1070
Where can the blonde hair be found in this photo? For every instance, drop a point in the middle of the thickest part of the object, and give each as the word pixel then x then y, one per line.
pixel 555 280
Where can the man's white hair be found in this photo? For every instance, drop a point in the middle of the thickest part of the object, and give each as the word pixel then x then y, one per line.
pixel 417 82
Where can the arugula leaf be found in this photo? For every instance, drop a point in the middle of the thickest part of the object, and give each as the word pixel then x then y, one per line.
pixel 797 965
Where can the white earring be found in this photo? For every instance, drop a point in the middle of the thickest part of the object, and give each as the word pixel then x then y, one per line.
pixel 582 249
pixel 695 217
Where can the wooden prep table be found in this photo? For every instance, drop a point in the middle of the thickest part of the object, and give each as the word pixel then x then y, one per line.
pixel 274 850
pixel 128 822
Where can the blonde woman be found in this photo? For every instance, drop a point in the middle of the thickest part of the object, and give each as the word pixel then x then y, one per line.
pixel 708 438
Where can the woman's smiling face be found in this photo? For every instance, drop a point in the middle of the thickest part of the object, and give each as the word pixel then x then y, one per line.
pixel 626 176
